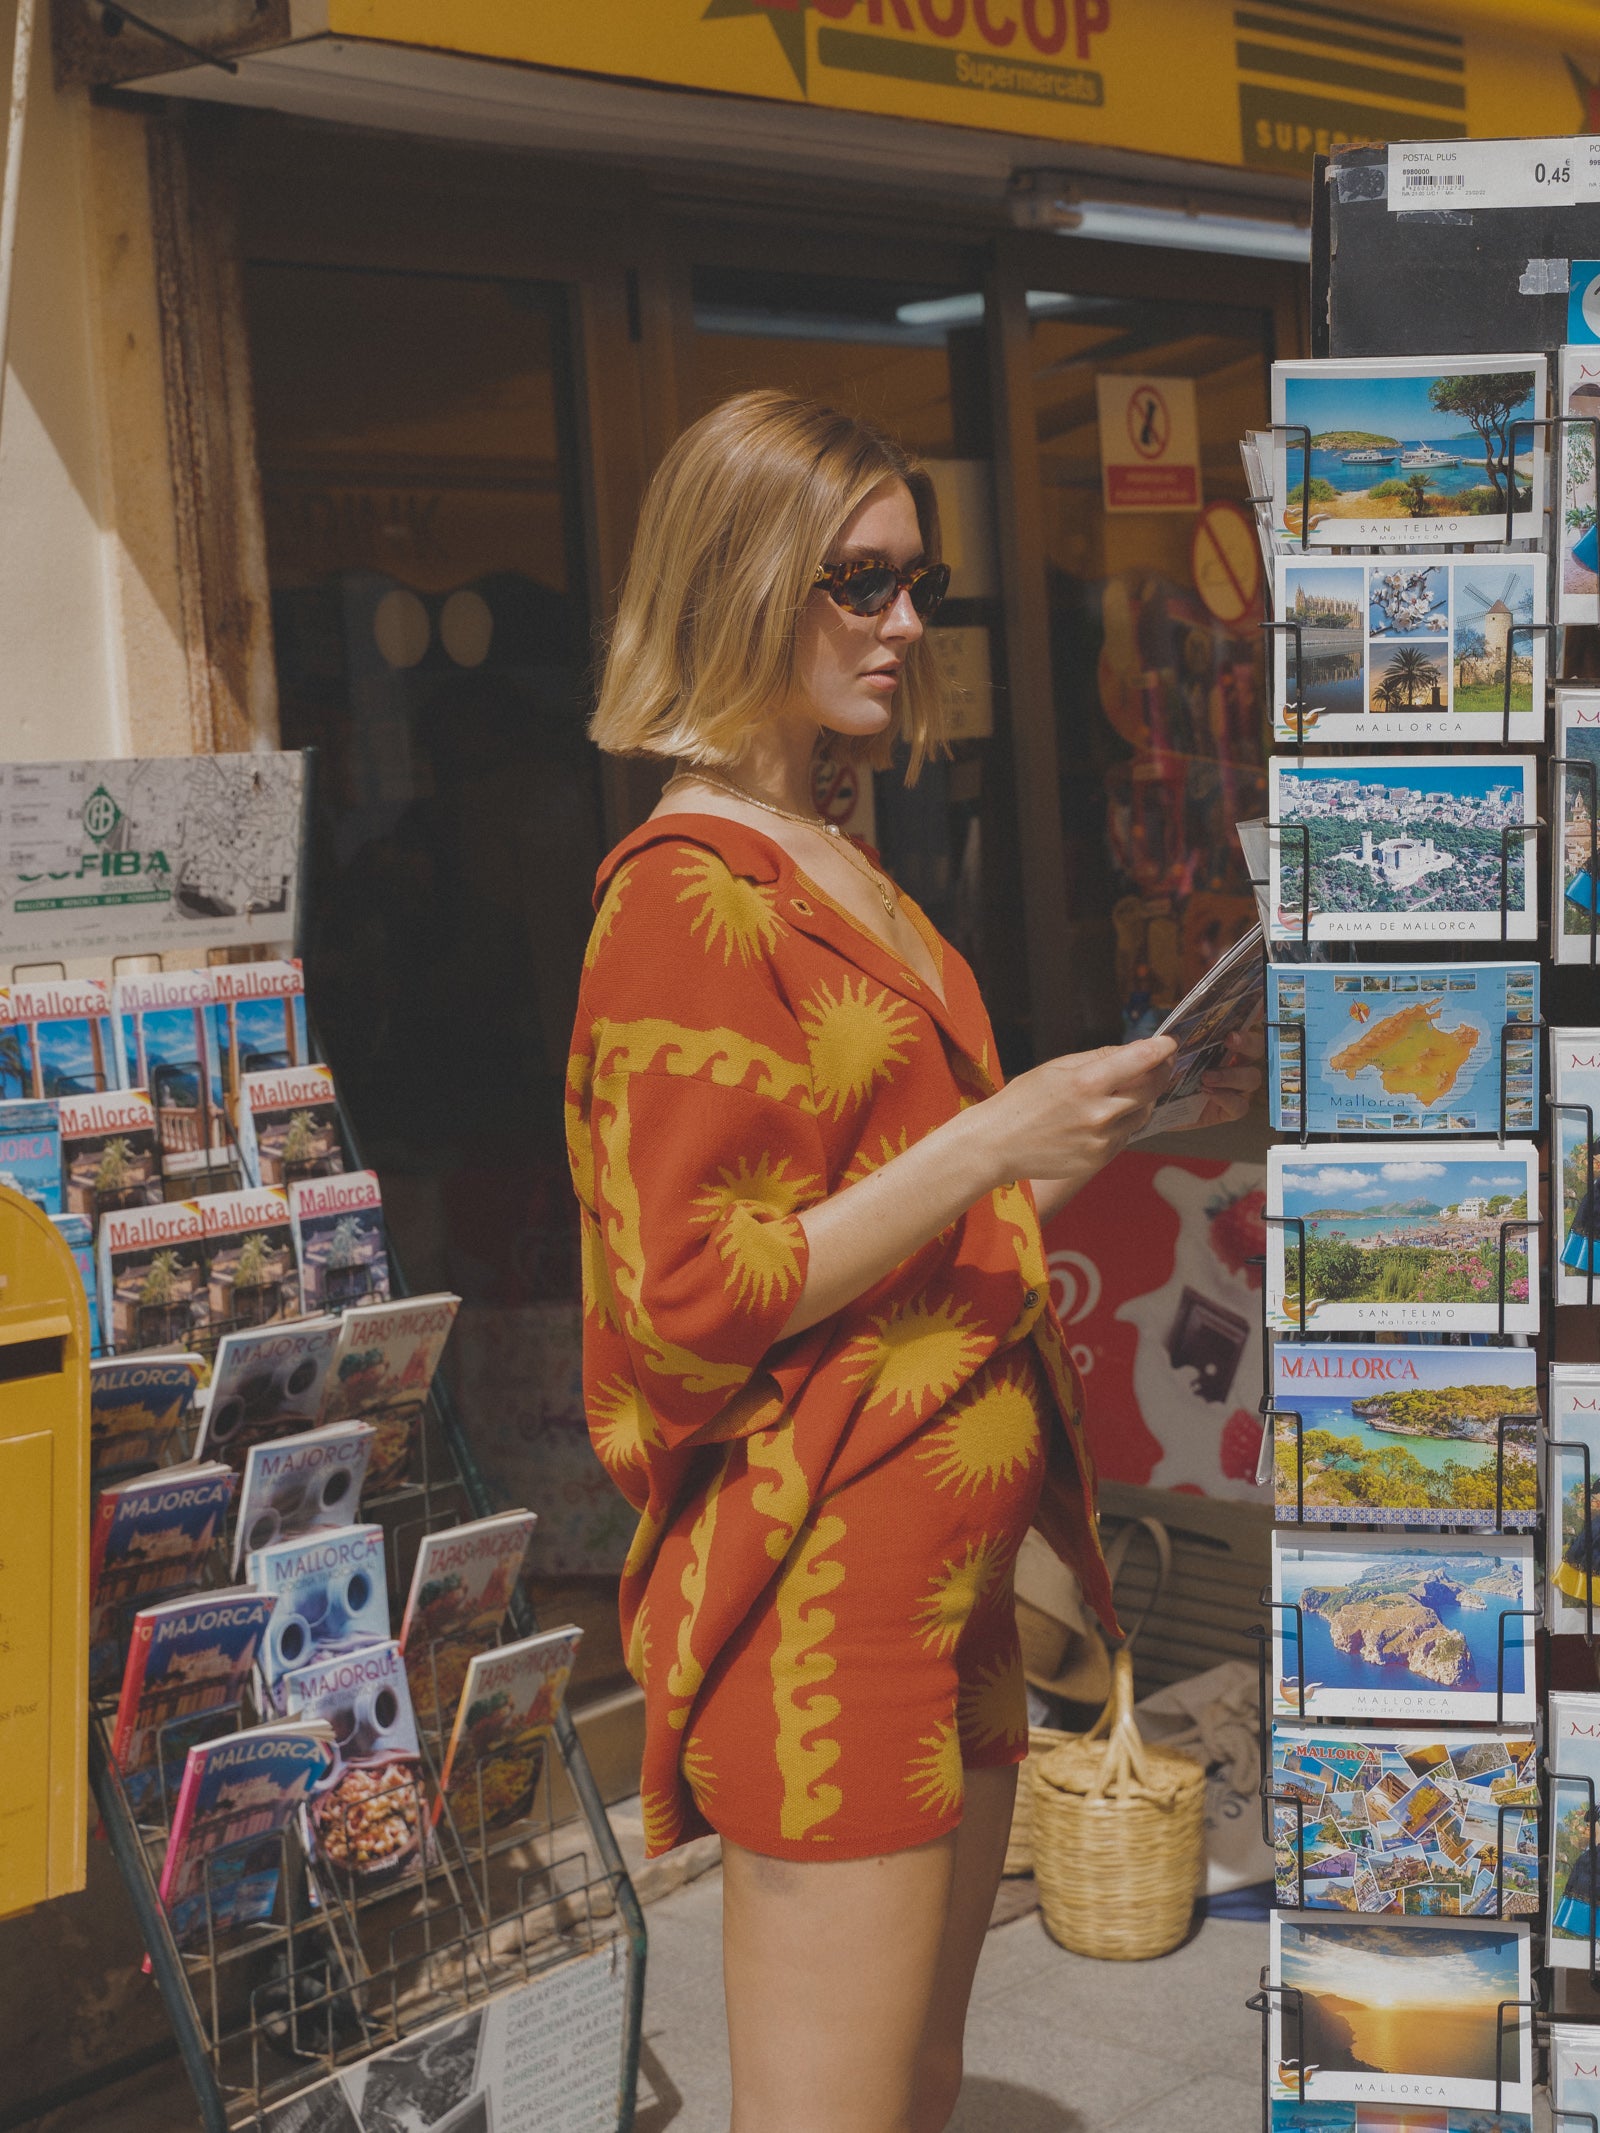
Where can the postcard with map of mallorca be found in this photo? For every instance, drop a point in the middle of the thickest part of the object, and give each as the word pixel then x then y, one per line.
pixel 1414 1050
pixel 1404 848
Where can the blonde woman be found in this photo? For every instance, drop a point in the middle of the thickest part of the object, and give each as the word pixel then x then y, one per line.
pixel 820 1357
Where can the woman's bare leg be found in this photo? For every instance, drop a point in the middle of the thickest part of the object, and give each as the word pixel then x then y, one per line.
pixel 980 1854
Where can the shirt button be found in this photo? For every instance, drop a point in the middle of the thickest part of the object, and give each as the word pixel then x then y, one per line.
pixel 1030 1299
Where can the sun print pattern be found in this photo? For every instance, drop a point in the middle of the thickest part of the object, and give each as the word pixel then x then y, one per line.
pixel 986 1438
pixel 744 1211
pixel 731 914
pixel 915 1358
pixel 856 1035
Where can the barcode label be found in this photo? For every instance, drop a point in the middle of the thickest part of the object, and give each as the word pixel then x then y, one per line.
pixel 1494 174
pixel 1431 180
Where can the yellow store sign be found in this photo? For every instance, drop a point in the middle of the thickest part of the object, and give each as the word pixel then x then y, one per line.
pixel 1264 83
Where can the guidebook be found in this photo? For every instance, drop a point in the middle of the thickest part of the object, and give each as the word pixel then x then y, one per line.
pixel 340 1241
pixel 366 1818
pixel 236 1797
pixel 1422 1236
pixel 1374 1048
pixel 188 1662
pixel 141 1411
pixel 1410 451
pixel 1572 1750
pixel 382 1373
pixel 1423 848
pixel 331 1599
pixel 1575 832
pixel 1572 1500
pixel 289 1125
pixel 1575 1100
pixel 30 1151
pixel 1225 1003
pixel 164 1017
pixel 257 1016
pixel 1394 1433
pixel 63 1028
pixel 149 1535
pixel 300 1485
pixel 497 1744
pixel 1426 1825
pixel 152 1266
pixel 251 1277
pixel 266 1383
pixel 1403 1628
pixel 1408 650
pixel 110 1156
pixel 461 1590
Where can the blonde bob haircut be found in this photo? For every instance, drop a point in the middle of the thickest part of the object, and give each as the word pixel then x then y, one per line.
pixel 740 513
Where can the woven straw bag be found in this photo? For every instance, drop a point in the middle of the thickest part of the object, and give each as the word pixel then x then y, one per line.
pixel 1118 1837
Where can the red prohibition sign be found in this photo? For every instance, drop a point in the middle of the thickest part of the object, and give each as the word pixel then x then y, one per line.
pixel 1149 422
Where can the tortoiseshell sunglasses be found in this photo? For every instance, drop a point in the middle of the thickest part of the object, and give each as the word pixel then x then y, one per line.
pixel 868 588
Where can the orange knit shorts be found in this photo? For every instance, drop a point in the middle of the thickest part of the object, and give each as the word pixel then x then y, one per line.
pixel 892 1664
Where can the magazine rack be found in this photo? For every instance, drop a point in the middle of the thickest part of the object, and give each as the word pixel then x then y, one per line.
pixel 346 1967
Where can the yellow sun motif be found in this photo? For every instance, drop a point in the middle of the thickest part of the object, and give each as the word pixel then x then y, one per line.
pixel 985 1439
pixel 863 1162
pixel 599 1297
pixel 606 916
pixel 994 1706
pixel 954 1591
pixel 639 1645
pixel 698 1774
pixel 918 1356
pixel 621 1424
pixel 734 913
pixel 662 1821
pixel 856 1038
pixel 761 1251
pixel 935 1779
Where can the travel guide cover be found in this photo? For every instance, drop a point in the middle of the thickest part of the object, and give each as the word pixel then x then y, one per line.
pixel 1403 1628
pixel 1573 1506
pixel 251 1277
pixel 235 1798
pixel 30 1151
pixel 152 1266
pixel 1578 552
pixel 382 1372
pixel 289 1125
pixel 1409 650
pixel 1403 848
pixel 258 1021
pixel 79 1240
pixel 1574 775
pixel 148 1536
pixel 63 1026
pixel 1575 1100
pixel 110 1154
pixel 340 1241
pixel 1414 1823
pixel 367 1817
pixel 1402 1051
pixel 1410 451
pixel 1574 2071
pixel 266 1383
pixel 300 1485
pixel 1404 1240
pixel 1572 1754
pixel 1401 2009
pixel 166 1047
pixel 141 1411
pixel 331 1599
pixel 497 1744
pixel 1395 1433
pixel 461 1590
pixel 188 1662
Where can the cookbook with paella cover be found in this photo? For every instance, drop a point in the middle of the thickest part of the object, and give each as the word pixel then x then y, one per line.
pixel 496 1754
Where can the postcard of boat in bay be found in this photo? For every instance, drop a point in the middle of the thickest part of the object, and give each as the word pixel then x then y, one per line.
pixel 1369 848
pixel 1409 649
pixel 1410 451
pixel 1403 1626
pixel 1420 1237
pixel 1393 1433
pixel 1430 1048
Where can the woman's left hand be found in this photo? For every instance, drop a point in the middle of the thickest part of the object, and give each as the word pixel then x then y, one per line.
pixel 1229 1088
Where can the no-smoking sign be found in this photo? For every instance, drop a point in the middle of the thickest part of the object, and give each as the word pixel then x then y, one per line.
pixel 1225 563
pixel 1149 443
pixel 1149 422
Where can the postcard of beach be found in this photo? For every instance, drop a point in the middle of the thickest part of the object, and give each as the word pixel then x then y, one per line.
pixel 1574 2073
pixel 1577 522
pixel 1572 1753
pixel 1575 781
pixel 1410 451
pixel 1421 1237
pixel 1409 649
pixel 1403 848
pixel 1391 1433
pixel 1403 1627
pixel 1389 1822
pixel 1394 1051
pixel 1572 1498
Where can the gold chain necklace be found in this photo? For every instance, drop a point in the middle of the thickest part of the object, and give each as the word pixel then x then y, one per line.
pixel 887 894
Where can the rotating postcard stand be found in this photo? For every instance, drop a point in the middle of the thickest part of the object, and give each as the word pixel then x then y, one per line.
pixel 488 1920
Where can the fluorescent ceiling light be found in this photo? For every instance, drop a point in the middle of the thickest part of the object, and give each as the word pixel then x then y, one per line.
pixel 1242 235
pixel 967 309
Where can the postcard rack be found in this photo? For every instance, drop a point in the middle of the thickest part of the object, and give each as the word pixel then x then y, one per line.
pixel 346 1966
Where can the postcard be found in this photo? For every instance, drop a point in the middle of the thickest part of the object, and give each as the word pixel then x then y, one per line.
pixel 1343 1840
pixel 331 1598
pixel 496 1753
pixel 62 1028
pixel 79 1239
pixel 267 1383
pixel 1408 848
pixel 251 1276
pixel 1376 1048
pixel 152 1276
pixel 299 1485
pixel 1392 1433
pixel 461 1590
pixel 258 1021
pixel 237 1794
pixel 149 1535
pixel 110 1154
pixel 1420 1237
pixel 188 1662
pixel 366 1817
pixel 340 1241
pixel 382 1373
pixel 141 1411
pixel 1575 787
pixel 289 1125
pixel 167 1049
pixel 1288 2115
pixel 1578 558
pixel 1575 1103
pixel 1409 650
pixel 1402 2010
pixel 30 1150
pixel 1572 1495
pixel 1572 1752
pixel 1403 1627
pixel 1574 2074
pixel 1410 451
pixel 1225 1003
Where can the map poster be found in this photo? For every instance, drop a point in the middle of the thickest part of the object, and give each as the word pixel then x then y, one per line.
pixel 1575 773
pixel 1402 1050
pixel 148 855
pixel 1395 1433
pixel 1572 1500
pixel 1403 1627
pixel 1575 1100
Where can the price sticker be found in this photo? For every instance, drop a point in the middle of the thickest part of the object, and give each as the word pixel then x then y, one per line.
pixel 1430 175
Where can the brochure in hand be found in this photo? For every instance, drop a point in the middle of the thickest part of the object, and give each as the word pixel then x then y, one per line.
pixel 141 1411
pixel 331 1598
pixel 1226 1003
pixel 266 1383
pixel 366 1818
pixel 148 1536
pixel 299 1485
pixel 497 1745
pixel 461 1589
pixel 340 1241
pixel 30 1151
pixel 188 1662
pixel 235 1799
pixel 382 1372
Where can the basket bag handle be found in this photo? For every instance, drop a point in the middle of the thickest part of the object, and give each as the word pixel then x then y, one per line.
pixel 1116 1555
pixel 1125 1769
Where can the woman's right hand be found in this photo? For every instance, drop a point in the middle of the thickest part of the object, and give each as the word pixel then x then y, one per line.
pixel 1065 1120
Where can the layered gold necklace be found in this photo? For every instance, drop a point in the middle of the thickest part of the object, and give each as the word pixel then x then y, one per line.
pixel 888 895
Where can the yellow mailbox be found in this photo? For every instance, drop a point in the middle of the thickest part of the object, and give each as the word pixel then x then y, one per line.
pixel 44 1560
